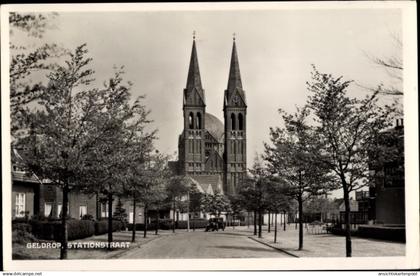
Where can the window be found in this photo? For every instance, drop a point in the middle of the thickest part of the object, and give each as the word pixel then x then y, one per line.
pixel 59 210
pixel 233 121
pixel 191 121
pixel 82 210
pixel 104 210
pixel 241 121
pixel 198 125
pixel 48 209
pixel 20 205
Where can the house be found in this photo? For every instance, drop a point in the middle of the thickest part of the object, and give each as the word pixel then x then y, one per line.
pixel 388 183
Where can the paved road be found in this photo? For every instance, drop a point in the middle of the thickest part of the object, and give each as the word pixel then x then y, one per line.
pixel 200 244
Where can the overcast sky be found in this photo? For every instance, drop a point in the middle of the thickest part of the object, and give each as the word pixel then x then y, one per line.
pixel 275 48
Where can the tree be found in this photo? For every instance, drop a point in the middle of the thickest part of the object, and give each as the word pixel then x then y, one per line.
pixel 347 129
pixel 63 127
pixel 277 200
pixel 215 204
pixel 195 198
pixel 235 207
pixel 176 189
pixel 292 156
pixel 125 124
pixel 26 64
pixel 394 67
pixel 260 177
pixel 248 196
pixel 120 213
pixel 152 191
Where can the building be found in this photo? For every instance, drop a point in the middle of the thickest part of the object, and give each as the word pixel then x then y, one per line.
pixel 209 151
pixel 387 171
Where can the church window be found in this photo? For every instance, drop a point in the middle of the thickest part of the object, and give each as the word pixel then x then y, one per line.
pixel 198 126
pixel 191 121
pixel 233 121
pixel 241 121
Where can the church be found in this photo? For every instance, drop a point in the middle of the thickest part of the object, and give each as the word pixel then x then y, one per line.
pixel 210 152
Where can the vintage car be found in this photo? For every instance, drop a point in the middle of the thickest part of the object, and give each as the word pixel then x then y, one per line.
pixel 215 224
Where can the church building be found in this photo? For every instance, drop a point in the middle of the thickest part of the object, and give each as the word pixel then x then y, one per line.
pixel 213 153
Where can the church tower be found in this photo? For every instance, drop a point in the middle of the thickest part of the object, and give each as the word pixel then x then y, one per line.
pixel 234 110
pixel 191 142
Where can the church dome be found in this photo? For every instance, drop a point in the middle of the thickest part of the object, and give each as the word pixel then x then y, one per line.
pixel 214 126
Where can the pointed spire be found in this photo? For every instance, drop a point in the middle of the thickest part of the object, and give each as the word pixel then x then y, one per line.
pixel 234 73
pixel 194 79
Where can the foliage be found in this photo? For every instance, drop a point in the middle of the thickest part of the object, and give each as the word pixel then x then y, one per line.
pixel 347 128
pixel 347 131
pixel 101 227
pixel 293 158
pixel 77 229
pixel 120 213
pixel 26 62
pixel 215 204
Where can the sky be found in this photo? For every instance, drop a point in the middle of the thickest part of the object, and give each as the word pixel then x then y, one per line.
pixel 275 48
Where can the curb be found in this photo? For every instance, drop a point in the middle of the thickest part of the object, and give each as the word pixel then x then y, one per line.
pixel 276 248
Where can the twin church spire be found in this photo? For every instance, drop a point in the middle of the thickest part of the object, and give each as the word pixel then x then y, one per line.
pixel 234 81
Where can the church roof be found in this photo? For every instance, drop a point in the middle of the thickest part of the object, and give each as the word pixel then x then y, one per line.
pixel 214 126
pixel 205 180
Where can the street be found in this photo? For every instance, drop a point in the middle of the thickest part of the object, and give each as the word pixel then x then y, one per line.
pixel 200 244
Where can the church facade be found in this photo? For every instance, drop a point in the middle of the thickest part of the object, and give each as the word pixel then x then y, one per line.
pixel 213 153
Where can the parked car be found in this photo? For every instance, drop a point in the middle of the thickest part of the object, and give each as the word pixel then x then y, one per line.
pixel 215 224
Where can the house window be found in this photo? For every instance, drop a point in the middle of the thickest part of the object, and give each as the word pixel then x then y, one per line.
pixel 104 210
pixel 48 209
pixel 82 210
pixel 20 205
pixel 59 210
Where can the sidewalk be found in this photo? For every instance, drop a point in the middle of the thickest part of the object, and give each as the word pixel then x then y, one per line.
pixel 324 245
pixel 21 252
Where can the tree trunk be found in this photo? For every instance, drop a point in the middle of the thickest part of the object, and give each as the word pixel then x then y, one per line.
pixel 275 227
pixel 109 220
pixel 284 221
pixel 64 232
pixel 260 221
pixel 157 221
pixel 145 221
pixel 347 220
pixel 188 213
pixel 269 222
pixel 233 223
pixel 249 217
pixel 255 223
pixel 300 222
pixel 98 207
pixel 133 236
pixel 272 219
pixel 173 220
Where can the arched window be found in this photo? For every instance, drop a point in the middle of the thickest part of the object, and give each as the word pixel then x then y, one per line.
pixel 198 123
pixel 191 121
pixel 241 121
pixel 233 121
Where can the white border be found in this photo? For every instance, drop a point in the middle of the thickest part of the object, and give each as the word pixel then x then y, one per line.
pixel 411 260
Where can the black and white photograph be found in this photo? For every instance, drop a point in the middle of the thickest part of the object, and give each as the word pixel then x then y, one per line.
pixel 213 136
